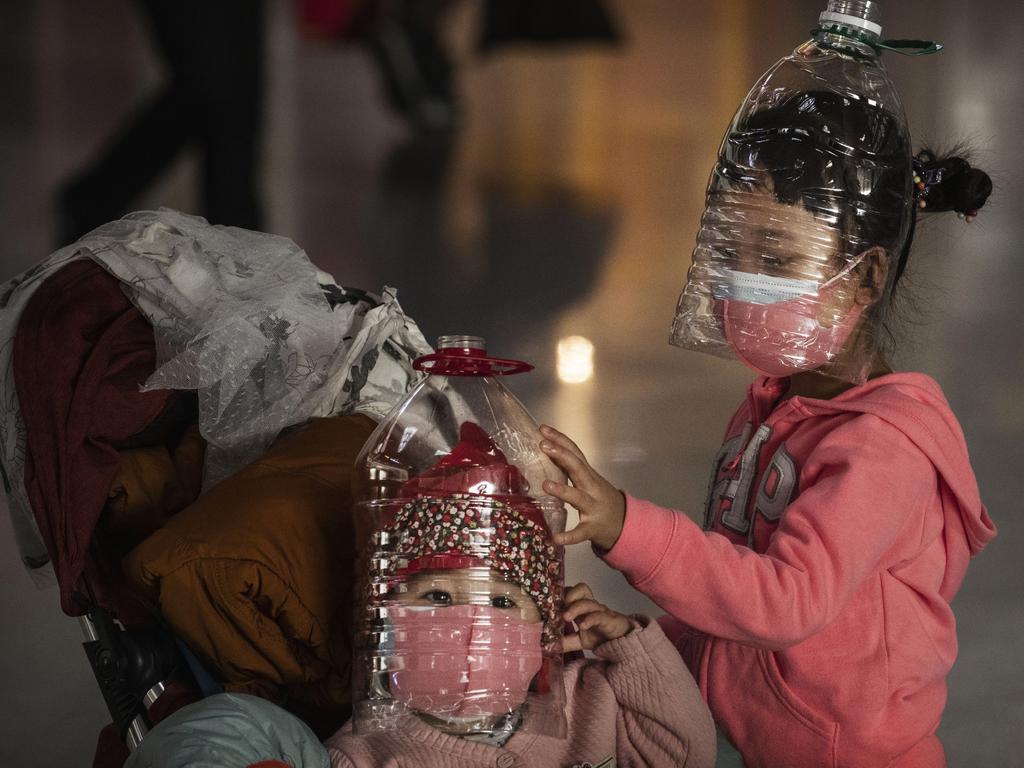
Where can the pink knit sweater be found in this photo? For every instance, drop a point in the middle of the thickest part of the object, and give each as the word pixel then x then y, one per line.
pixel 634 705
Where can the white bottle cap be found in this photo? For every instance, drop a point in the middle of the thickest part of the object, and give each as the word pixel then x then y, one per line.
pixel 828 18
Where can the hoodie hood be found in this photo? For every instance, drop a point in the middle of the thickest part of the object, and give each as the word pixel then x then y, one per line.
pixel 914 404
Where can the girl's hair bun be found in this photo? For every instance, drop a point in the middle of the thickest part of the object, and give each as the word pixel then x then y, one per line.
pixel 950 183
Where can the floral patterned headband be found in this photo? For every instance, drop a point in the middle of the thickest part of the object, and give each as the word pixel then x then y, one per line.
pixel 462 531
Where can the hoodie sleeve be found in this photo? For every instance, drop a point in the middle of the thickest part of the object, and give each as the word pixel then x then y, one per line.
pixel 864 488
pixel 661 718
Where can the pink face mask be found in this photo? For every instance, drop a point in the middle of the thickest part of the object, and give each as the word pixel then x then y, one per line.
pixel 772 322
pixel 462 660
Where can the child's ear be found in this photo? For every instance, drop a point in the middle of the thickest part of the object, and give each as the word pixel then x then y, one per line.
pixel 873 271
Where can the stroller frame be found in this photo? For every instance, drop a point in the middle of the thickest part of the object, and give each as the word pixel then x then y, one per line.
pixel 132 667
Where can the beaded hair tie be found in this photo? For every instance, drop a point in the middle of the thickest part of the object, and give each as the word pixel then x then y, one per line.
pixel 926 177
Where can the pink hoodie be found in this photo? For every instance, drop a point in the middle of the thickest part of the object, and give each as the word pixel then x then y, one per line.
pixel 815 613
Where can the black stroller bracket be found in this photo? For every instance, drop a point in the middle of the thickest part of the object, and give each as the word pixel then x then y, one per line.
pixel 131 667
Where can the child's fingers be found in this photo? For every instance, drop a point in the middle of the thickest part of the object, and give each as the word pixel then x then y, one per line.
pixel 561 440
pixel 577 468
pixel 571 643
pixel 599 619
pixel 579 591
pixel 582 608
pixel 575 497
pixel 577 535
pixel 608 625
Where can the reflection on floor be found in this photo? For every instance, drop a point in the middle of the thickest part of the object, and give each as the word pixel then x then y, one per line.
pixel 566 207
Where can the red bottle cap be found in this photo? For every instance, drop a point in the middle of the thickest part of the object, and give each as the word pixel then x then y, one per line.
pixel 467 356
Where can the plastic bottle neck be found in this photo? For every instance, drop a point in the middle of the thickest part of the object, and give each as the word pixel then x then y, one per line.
pixel 462 343
pixel 843 43
pixel 862 16
pixel 850 26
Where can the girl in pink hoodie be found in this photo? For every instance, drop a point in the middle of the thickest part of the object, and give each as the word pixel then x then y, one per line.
pixel 814 605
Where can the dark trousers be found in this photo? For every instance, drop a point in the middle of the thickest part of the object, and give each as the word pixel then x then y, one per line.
pixel 212 100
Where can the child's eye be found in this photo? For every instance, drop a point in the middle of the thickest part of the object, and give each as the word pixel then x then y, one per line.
pixel 503 601
pixel 437 597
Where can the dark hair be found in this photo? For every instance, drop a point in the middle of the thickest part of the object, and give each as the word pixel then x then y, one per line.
pixel 952 185
pixel 842 155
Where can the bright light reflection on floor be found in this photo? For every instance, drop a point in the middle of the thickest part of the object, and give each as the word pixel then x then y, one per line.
pixel 575 359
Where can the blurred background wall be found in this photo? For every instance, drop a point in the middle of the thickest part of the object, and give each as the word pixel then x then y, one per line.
pixel 554 192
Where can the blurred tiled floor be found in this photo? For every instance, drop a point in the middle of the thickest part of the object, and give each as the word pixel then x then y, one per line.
pixel 568 205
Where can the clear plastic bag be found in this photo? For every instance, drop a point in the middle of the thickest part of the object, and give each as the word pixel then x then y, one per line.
pixel 242 318
pixel 808 210
pixel 462 584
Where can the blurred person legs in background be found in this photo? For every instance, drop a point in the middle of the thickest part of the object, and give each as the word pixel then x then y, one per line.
pixel 407 39
pixel 212 100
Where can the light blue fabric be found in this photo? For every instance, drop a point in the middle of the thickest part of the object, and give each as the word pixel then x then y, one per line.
pixel 229 730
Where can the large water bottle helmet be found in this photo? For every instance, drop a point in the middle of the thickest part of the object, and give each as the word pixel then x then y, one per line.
pixel 808 210
pixel 461 582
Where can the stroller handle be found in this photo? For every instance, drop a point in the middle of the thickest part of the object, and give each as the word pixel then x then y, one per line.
pixel 131 668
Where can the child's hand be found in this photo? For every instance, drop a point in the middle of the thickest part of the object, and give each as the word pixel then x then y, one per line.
pixel 597 623
pixel 601 505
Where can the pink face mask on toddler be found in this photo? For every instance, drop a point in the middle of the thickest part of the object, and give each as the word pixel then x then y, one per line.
pixel 462 661
pixel 772 322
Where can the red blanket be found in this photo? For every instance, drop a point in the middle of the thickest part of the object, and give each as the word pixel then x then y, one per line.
pixel 80 354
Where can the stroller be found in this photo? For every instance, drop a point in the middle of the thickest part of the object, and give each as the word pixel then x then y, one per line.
pixel 183 406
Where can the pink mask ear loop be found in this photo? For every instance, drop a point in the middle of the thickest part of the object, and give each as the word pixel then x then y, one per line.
pixel 856 310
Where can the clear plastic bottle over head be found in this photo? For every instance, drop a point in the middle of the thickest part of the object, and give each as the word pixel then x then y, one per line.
pixel 459 602
pixel 808 210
